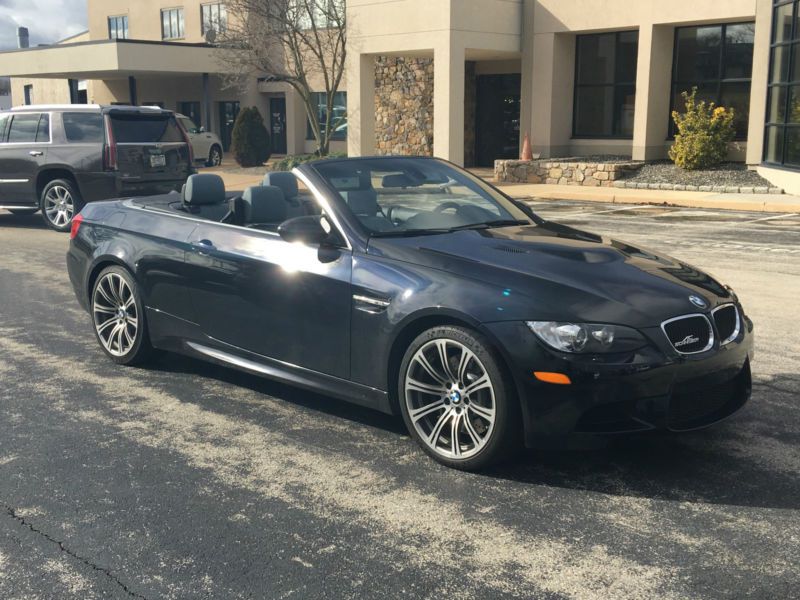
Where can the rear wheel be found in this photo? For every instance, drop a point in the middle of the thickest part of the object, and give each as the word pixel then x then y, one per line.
pixel 60 202
pixel 456 400
pixel 118 317
pixel 214 156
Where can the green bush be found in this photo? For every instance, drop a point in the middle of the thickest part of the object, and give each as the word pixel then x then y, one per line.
pixel 251 145
pixel 704 132
pixel 290 162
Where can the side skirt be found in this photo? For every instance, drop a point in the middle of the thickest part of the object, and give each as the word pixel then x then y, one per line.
pixel 299 376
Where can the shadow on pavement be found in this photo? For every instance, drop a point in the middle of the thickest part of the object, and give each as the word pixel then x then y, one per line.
pixel 34 221
pixel 739 462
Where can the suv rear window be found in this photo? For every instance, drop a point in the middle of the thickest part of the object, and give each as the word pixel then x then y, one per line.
pixel 28 128
pixel 84 127
pixel 137 129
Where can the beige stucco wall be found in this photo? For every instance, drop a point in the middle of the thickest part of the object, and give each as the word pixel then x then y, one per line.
pixel 45 91
pixel 144 18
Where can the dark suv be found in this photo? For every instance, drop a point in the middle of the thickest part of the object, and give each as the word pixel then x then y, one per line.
pixel 57 158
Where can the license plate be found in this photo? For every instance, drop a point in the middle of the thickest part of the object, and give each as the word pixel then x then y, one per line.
pixel 158 160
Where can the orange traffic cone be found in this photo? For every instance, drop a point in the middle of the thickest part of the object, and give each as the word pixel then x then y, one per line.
pixel 527 154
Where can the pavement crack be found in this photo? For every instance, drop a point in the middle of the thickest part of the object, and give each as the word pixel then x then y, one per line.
pixel 773 387
pixel 11 512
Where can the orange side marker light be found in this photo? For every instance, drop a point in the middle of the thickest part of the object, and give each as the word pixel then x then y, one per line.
pixel 556 378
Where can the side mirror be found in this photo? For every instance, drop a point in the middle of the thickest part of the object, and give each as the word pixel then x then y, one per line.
pixel 308 230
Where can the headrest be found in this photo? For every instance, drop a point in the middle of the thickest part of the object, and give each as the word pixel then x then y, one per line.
pixel 206 188
pixel 264 204
pixel 363 202
pixel 286 181
pixel 398 180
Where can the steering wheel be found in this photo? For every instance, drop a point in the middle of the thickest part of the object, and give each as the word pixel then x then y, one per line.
pixel 446 206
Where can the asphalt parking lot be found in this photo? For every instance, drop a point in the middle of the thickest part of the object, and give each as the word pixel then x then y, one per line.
pixel 186 480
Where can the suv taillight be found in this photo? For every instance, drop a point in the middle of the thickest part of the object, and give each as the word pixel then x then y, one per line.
pixel 76 225
pixel 187 140
pixel 110 148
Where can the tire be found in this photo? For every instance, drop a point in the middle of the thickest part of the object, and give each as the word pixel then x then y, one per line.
pixel 486 417
pixel 22 212
pixel 118 317
pixel 214 156
pixel 60 202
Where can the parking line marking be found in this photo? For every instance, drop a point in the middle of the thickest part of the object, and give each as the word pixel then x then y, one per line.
pixel 781 216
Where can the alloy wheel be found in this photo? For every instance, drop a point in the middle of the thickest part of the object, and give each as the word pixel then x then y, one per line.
pixel 116 314
pixel 59 206
pixel 450 399
pixel 216 157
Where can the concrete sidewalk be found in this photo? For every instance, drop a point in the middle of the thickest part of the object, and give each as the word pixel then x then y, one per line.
pixel 777 203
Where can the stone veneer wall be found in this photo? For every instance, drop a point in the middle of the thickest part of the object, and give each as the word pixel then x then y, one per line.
pixel 404 105
pixel 562 173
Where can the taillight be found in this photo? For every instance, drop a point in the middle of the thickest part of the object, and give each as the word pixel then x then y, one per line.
pixel 76 225
pixel 110 148
pixel 187 140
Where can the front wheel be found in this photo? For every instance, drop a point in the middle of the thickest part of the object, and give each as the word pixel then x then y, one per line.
pixel 118 317
pixel 456 400
pixel 214 156
pixel 60 202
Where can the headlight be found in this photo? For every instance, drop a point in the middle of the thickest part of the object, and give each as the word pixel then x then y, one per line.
pixel 587 337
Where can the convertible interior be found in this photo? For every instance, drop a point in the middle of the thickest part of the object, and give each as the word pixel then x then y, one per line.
pixel 382 201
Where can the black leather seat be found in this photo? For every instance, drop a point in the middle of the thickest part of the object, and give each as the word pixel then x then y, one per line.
pixel 263 207
pixel 287 182
pixel 204 195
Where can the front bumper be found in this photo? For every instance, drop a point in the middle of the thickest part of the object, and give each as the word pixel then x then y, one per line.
pixel 656 388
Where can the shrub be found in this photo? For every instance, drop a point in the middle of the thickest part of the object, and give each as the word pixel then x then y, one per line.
pixel 251 145
pixel 704 132
pixel 290 162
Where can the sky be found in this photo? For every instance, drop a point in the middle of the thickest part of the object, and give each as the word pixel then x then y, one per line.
pixel 47 20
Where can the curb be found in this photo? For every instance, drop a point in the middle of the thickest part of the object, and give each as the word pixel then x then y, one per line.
pixel 716 189
pixel 770 203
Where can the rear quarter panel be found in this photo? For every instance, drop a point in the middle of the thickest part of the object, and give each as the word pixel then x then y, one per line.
pixel 150 244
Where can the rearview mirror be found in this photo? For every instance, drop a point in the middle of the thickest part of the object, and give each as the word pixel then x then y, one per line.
pixel 308 230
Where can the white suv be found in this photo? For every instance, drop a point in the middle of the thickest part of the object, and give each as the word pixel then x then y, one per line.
pixel 206 145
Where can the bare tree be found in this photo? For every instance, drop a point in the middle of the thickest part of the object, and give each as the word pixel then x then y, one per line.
pixel 299 42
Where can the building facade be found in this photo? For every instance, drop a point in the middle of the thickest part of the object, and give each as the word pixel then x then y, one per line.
pixel 466 80
pixel 156 52
pixel 579 77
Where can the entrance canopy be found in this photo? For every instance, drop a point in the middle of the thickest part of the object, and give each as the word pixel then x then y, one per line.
pixel 112 59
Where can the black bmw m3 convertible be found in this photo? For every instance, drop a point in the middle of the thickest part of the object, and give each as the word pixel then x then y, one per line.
pixel 413 287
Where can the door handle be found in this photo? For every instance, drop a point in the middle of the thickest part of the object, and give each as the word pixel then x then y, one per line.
pixel 35 152
pixel 202 246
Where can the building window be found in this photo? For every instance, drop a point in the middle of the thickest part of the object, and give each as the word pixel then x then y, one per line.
pixel 605 85
pixel 27 92
pixel 213 16
pixel 718 61
pixel 338 118
pixel 171 23
pixel 118 28
pixel 782 141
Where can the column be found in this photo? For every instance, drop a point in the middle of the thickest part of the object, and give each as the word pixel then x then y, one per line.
pixel 551 89
pixel 360 104
pixel 206 103
pixel 653 90
pixel 448 102
pixel 758 96
pixel 132 90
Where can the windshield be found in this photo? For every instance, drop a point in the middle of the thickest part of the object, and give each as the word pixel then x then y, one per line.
pixel 408 196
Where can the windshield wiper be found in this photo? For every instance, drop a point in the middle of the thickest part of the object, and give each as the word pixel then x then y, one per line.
pixel 489 224
pixel 410 232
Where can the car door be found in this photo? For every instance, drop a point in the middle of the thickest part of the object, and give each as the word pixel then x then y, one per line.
pixel 22 154
pixel 289 302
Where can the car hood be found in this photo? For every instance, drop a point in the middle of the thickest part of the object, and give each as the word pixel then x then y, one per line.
pixel 553 272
